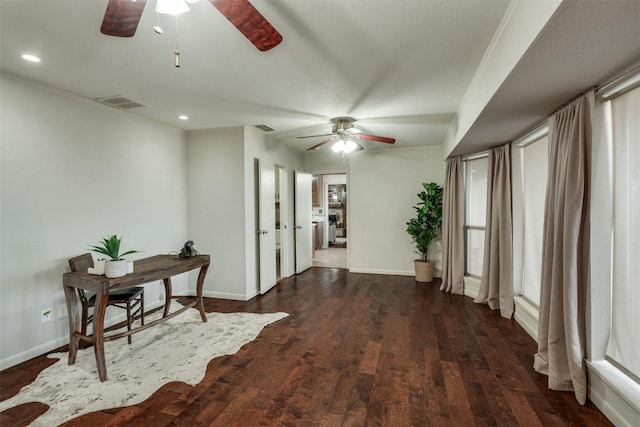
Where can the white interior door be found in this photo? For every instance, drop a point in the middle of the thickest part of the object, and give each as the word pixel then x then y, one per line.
pixel 303 228
pixel 267 226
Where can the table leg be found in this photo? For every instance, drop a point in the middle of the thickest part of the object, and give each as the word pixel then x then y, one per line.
pixel 71 298
pixel 199 286
pixel 98 333
pixel 167 296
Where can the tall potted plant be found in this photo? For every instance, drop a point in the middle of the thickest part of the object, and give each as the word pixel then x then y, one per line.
pixel 424 227
pixel 110 246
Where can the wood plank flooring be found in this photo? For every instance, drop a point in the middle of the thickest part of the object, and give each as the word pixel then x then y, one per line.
pixel 356 350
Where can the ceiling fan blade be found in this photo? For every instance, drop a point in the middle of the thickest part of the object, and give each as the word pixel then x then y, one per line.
pixel 360 147
pixel 121 17
pixel 313 136
pixel 318 145
pixel 249 22
pixel 377 138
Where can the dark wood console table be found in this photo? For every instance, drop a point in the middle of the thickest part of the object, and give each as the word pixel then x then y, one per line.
pixel 159 267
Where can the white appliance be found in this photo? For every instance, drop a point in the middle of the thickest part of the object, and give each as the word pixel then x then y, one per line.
pixel 332 233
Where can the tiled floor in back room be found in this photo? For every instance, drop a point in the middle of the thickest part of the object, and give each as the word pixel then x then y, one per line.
pixel 330 257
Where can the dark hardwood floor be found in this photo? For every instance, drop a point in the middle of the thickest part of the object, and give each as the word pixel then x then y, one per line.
pixel 356 350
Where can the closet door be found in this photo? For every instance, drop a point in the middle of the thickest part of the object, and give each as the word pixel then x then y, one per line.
pixel 302 226
pixel 266 230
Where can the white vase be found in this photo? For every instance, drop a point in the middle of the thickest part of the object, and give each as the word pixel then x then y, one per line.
pixel 113 269
pixel 98 268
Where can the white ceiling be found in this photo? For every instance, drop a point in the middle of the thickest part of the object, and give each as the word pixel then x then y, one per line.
pixel 400 67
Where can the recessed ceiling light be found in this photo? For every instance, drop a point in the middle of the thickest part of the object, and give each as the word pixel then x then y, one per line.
pixel 183 117
pixel 31 58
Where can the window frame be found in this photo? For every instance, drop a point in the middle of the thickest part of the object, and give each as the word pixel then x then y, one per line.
pixel 467 227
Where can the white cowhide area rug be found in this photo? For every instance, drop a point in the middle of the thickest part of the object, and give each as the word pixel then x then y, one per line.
pixel 176 350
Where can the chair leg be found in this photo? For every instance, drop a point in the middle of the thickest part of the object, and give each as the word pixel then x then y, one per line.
pixel 142 309
pixel 129 320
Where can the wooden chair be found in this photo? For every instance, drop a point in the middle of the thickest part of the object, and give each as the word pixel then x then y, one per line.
pixel 130 299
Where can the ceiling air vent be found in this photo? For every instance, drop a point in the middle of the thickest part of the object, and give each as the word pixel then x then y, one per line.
pixel 119 101
pixel 264 128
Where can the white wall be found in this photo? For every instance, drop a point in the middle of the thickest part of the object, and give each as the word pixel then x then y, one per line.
pixel 522 23
pixel 382 189
pixel 221 203
pixel 216 206
pixel 73 171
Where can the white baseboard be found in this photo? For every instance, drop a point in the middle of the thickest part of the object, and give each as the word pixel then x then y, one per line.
pixel 614 393
pixel 471 286
pixel 228 295
pixel 41 349
pixel 387 272
pixel 33 352
pixel 526 314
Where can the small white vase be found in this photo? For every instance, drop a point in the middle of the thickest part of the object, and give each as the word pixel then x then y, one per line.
pixel 113 269
pixel 98 268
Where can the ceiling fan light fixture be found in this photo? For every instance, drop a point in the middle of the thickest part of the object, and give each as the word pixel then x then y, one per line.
pixel 349 146
pixel 338 147
pixel 171 7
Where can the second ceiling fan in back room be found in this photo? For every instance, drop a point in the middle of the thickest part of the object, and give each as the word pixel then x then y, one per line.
pixel 345 137
pixel 122 17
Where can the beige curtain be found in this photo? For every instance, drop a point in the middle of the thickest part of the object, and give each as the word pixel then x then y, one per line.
pixel 496 285
pixel 565 250
pixel 453 228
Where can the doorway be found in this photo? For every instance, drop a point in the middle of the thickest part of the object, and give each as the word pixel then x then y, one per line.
pixel 282 219
pixel 329 216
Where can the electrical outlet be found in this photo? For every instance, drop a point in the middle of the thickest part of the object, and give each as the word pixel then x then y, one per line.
pixel 46 315
pixel 62 310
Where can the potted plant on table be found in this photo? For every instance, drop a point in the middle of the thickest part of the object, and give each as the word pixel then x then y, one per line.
pixel 110 246
pixel 424 228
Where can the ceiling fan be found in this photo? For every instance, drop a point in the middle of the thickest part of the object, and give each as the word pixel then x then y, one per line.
pixel 346 136
pixel 122 17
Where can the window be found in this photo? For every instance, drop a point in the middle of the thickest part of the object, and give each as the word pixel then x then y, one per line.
pixel 475 214
pixel 534 183
pixel 624 341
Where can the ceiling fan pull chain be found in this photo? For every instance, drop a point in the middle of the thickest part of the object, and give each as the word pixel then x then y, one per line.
pixel 177 53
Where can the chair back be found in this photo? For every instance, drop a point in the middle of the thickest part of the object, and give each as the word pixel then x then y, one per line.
pixel 81 263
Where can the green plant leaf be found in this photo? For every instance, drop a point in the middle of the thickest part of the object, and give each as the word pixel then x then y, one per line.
pixel 110 246
pixel 426 225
